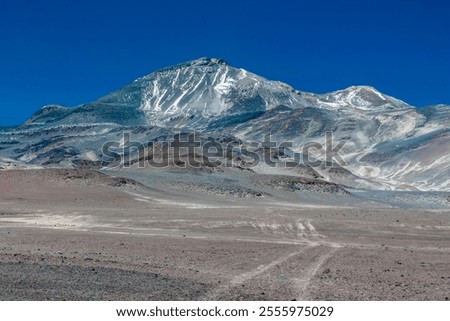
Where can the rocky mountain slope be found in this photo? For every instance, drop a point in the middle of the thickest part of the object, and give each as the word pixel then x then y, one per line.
pixel 388 143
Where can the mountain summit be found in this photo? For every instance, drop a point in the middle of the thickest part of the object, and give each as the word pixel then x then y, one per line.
pixel 389 144
pixel 196 93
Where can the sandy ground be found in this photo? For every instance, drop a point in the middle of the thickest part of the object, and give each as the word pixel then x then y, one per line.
pixel 67 235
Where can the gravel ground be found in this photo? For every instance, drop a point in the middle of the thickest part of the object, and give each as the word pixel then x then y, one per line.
pixel 67 235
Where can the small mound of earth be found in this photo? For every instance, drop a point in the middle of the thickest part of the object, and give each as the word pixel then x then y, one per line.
pixel 223 191
pixel 87 177
pixel 298 184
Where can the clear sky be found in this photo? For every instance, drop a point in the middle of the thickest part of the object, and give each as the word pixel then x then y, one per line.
pixel 72 52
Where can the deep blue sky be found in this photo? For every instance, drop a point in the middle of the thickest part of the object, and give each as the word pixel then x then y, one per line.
pixel 71 52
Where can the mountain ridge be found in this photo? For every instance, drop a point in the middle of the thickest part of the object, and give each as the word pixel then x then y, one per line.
pixel 388 143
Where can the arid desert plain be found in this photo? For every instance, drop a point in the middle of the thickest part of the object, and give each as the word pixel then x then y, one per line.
pixel 83 235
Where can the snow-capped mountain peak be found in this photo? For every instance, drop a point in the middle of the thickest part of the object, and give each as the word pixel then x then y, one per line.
pixel 197 91
pixel 389 144
pixel 363 98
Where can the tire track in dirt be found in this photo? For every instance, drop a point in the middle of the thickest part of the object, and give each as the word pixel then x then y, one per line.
pixel 310 272
pixel 303 230
pixel 247 276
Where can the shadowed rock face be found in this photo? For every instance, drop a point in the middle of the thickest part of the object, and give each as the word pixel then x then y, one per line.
pixel 389 144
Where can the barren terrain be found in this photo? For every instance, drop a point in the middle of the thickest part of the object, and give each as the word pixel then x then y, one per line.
pixel 79 235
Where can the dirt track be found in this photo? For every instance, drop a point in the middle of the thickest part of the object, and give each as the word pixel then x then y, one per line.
pixel 81 236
